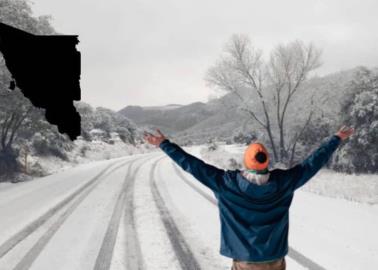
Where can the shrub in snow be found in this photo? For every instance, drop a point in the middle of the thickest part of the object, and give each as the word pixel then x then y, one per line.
pixel 233 164
pixel 83 150
pixel 36 169
pixel 244 138
pixel 51 144
pixel 212 146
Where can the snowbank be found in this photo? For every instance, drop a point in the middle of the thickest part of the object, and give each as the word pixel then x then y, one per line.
pixel 83 152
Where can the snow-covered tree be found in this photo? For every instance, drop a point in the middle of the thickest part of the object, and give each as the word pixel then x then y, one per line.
pixel 360 110
pixel 15 110
pixel 311 137
pixel 87 119
pixel 110 121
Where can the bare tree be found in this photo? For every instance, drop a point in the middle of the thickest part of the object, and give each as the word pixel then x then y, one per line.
pixel 9 127
pixel 270 84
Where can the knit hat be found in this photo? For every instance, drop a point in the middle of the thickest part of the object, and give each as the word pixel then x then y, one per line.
pixel 256 157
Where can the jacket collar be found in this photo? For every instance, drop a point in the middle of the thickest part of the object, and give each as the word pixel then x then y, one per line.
pixel 258 178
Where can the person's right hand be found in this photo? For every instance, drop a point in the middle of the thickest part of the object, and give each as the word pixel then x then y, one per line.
pixel 154 139
pixel 344 132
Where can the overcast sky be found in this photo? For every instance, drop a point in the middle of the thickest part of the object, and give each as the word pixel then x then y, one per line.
pixel 157 52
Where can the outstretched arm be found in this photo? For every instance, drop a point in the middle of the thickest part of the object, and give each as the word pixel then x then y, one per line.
pixel 303 172
pixel 207 174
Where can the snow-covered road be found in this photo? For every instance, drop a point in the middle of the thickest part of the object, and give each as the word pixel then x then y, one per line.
pixel 143 212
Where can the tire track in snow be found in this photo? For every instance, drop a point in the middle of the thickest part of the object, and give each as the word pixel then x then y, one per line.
pixel 181 248
pixel 135 259
pixel 293 254
pixel 33 226
pixel 134 255
pixel 28 259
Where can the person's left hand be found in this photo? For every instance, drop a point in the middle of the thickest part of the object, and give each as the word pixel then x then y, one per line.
pixel 345 132
pixel 154 139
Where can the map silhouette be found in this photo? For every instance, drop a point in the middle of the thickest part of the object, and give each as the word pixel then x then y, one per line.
pixel 46 68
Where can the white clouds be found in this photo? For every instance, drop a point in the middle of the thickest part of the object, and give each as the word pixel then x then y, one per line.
pixel 156 52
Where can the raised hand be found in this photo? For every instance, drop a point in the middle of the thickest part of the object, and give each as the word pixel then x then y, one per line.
pixel 344 132
pixel 154 139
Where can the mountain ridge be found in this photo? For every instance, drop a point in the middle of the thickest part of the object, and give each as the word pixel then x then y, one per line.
pixel 223 117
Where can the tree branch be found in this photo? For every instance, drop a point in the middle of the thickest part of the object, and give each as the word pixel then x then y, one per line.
pixel 298 135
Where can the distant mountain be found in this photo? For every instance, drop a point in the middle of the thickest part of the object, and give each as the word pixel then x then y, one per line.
pixel 162 108
pixel 223 117
pixel 171 118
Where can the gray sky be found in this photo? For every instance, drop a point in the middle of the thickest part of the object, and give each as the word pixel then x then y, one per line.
pixel 157 52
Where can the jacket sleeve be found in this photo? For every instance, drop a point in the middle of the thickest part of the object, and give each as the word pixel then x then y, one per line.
pixel 207 174
pixel 303 172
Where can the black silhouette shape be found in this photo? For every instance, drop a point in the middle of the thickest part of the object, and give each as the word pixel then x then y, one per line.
pixel 47 70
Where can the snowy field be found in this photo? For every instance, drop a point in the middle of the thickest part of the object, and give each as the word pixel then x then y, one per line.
pixel 359 188
pixel 142 212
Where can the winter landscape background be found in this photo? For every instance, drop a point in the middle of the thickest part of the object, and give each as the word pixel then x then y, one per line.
pixel 309 109
pixel 276 100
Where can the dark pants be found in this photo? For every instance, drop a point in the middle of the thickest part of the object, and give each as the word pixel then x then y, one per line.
pixel 276 265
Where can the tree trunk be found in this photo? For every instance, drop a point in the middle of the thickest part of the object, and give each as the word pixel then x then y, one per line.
pixel 8 162
pixel 270 135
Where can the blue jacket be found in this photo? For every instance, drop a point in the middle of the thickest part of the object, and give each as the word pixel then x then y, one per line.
pixel 254 219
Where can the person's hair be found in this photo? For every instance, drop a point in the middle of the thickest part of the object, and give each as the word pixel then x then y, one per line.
pixel 261 157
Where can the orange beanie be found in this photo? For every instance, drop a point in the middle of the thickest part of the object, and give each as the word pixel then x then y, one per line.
pixel 250 161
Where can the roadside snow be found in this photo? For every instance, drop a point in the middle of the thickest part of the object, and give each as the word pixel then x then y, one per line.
pixel 86 152
pixel 83 153
pixel 361 188
pixel 337 234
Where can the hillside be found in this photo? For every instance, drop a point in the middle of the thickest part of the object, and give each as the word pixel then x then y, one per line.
pixel 222 117
pixel 169 119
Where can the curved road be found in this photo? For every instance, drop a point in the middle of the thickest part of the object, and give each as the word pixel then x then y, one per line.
pixel 137 212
